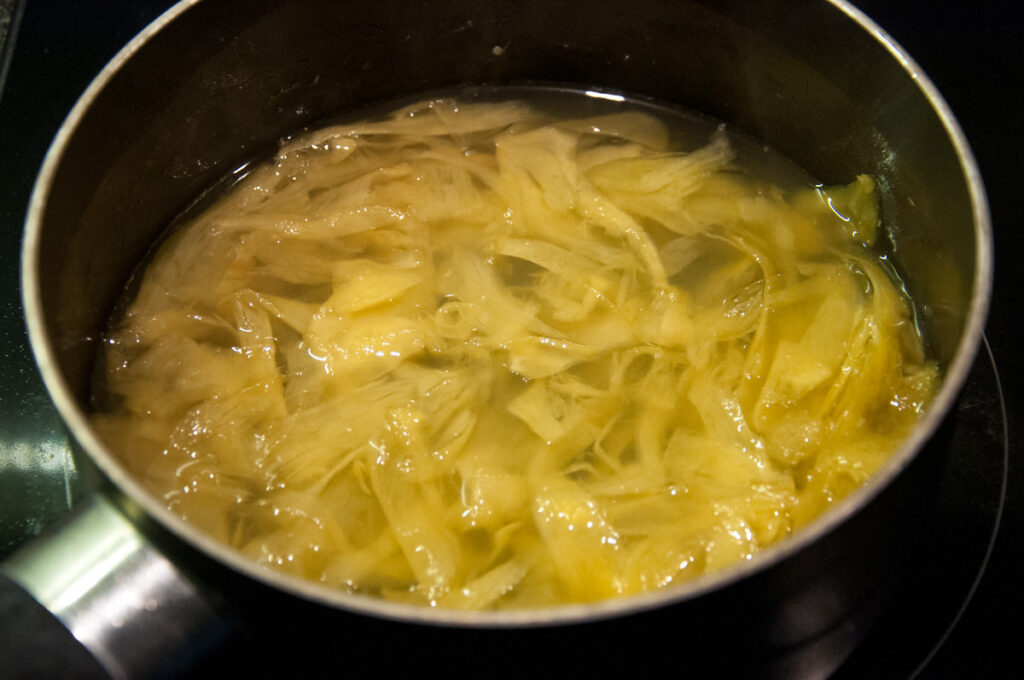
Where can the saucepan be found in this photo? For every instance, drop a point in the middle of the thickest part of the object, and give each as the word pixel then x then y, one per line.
pixel 212 84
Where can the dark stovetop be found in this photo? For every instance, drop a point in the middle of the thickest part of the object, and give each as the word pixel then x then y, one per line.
pixel 957 618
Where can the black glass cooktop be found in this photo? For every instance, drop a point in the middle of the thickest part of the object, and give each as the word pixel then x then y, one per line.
pixel 956 612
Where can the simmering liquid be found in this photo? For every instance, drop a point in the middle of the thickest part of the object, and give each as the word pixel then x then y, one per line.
pixel 514 349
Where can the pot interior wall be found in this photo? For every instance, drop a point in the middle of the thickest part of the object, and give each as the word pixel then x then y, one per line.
pixel 172 119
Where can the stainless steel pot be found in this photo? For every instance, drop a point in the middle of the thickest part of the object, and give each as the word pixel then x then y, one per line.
pixel 213 83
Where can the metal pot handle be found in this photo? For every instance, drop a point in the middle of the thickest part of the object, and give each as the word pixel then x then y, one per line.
pixel 123 600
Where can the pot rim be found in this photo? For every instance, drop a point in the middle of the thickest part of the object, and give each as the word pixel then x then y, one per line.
pixel 78 425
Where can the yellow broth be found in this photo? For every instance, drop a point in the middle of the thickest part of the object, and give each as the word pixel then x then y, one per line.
pixel 476 354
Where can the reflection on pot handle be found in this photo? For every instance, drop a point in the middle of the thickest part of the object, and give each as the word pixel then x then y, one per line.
pixel 124 601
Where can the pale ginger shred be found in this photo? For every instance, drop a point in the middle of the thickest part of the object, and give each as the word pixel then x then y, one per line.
pixel 474 356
